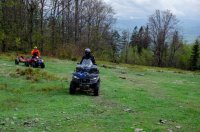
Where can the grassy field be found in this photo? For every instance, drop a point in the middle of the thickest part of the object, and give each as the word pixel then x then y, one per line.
pixel 131 98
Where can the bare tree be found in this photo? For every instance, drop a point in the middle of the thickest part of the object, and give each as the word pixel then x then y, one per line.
pixel 146 38
pixel 98 18
pixel 89 16
pixel 76 20
pixel 174 47
pixel 54 10
pixel 54 23
pixel 161 25
pixel 125 41
pixel 3 25
pixel 31 8
pixel 41 14
pixel 42 5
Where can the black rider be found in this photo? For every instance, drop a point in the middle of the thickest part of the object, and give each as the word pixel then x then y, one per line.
pixel 88 55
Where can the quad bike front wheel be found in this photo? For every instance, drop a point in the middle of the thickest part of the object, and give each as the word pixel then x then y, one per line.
pixel 96 88
pixel 34 64
pixel 72 89
pixel 42 65
pixel 26 64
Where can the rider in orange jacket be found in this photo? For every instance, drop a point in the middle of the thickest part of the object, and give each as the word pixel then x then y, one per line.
pixel 35 52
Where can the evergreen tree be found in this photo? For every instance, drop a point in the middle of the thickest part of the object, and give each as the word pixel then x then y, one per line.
pixel 134 37
pixel 140 44
pixel 115 45
pixel 140 38
pixel 195 56
pixel 146 38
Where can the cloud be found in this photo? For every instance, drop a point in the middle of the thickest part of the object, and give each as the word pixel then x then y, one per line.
pixel 143 8
pixel 132 13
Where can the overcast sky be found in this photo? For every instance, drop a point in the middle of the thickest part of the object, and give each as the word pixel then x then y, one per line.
pixel 136 9
pixel 131 13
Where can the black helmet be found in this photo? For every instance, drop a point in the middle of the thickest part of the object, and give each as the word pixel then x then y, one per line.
pixel 87 51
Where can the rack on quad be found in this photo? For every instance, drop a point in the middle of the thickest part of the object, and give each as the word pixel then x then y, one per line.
pixel 20 59
pixel 85 78
pixel 33 62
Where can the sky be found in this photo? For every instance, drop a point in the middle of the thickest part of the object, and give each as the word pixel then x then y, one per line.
pixel 130 13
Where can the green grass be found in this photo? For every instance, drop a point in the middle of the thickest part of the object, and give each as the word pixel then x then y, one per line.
pixel 130 97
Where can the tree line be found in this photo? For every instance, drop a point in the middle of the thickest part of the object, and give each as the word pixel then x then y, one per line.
pixel 64 28
pixel 158 43
pixel 54 24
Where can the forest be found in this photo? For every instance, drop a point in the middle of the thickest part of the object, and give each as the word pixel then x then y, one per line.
pixel 64 28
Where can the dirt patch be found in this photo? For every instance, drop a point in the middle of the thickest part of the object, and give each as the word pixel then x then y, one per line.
pixel 108 66
pixel 34 74
pixel 9 89
pixel 3 86
pixel 110 105
pixel 159 71
pixel 104 102
pixel 10 103
pixel 31 122
pixel 122 78
pixel 123 72
pixel 49 89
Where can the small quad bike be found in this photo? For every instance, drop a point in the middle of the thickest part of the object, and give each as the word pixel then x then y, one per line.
pixel 85 78
pixel 33 62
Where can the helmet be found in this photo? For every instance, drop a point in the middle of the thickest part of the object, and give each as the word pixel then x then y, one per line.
pixel 87 51
pixel 35 47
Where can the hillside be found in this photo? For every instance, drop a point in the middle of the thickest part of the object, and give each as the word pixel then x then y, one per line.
pixel 189 28
pixel 131 98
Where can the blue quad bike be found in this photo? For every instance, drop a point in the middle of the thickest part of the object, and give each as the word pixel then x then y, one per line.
pixel 85 78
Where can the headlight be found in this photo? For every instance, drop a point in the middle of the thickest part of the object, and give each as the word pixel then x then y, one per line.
pixel 75 77
pixel 95 78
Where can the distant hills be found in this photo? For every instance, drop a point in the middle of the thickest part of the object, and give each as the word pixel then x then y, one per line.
pixel 189 28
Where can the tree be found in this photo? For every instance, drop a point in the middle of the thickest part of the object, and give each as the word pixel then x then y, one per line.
pixel 42 5
pixel 31 8
pixel 140 44
pixel 140 38
pixel 134 37
pixel 174 47
pixel 53 17
pixel 114 43
pixel 76 20
pixel 146 41
pixel 12 23
pixel 125 43
pixel 161 25
pixel 195 56
pixel 55 25
pixel 3 31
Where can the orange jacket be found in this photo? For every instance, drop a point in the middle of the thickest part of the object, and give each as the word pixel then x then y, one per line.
pixel 35 51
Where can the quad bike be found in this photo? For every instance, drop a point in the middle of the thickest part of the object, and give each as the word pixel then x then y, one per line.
pixel 85 78
pixel 35 61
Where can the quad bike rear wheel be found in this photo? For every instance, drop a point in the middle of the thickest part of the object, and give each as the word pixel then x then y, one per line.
pixel 16 61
